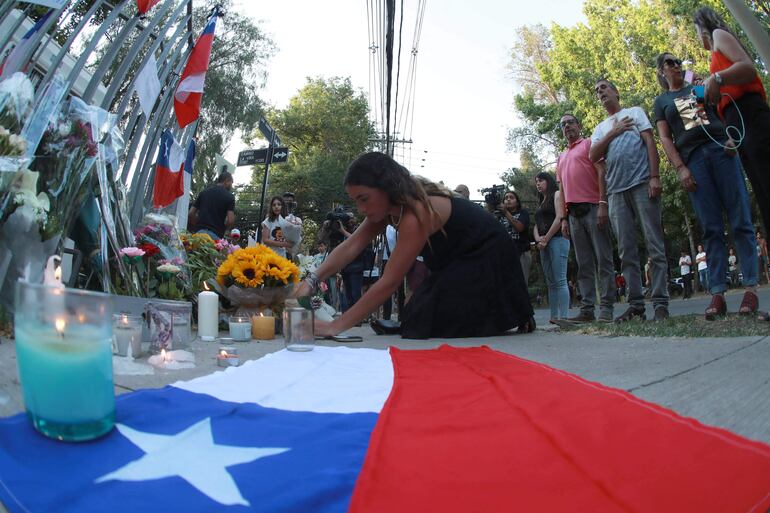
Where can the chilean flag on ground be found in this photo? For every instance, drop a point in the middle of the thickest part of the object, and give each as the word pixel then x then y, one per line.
pixel 169 179
pixel 188 94
pixel 368 431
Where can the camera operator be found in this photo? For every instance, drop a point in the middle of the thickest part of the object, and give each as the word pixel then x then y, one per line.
pixel 340 225
pixel 515 220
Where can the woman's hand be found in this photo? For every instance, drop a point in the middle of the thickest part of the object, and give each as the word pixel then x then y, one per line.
pixel 325 329
pixel 712 93
pixel 302 290
pixel 686 179
pixel 730 147
pixel 542 243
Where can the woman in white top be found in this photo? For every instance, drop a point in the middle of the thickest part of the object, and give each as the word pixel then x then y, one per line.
pixel 272 228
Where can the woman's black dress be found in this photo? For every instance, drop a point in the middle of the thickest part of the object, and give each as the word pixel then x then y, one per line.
pixel 475 288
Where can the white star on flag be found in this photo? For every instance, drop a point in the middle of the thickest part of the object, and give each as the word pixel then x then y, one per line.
pixel 191 455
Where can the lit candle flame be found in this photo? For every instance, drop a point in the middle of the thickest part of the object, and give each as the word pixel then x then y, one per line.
pixel 223 353
pixel 206 286
pixel 124 319
pixel 60 324
pixel 163 355
pixel 57 274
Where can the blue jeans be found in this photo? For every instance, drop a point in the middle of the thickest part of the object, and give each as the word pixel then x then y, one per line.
pixel 628 209
pixel 554 260
pixel 209 233
pixel 721 188
pixel 354 282
pixel 703 277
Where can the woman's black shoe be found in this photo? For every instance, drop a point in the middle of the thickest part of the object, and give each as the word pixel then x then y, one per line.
pixel 385 327
pixel 528 326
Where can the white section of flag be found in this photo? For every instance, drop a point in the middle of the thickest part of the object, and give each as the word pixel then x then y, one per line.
pixel 148 85
pixel 324 380
pixel 183 203
pixel 176 157
pixel 191 84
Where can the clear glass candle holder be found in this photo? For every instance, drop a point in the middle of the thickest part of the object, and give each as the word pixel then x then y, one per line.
pixel 64 354
pixel 298 334
pixel 127 334
pixel 240 327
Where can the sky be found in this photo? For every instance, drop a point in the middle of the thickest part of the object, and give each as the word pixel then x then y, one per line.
pixel 463 104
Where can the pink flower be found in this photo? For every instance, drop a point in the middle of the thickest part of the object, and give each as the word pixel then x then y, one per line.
pixel 131 251
pixel 323 286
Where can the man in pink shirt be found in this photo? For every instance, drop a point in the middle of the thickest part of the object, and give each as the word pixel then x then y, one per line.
pixel 587 222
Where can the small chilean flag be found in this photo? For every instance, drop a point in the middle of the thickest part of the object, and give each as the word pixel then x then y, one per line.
pixel 145 5
pixel 169 179
pixel 188 94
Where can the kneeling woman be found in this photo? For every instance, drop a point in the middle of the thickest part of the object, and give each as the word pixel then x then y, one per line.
pixel 473 289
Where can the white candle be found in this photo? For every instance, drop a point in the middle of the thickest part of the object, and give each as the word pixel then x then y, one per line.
pixel 208 315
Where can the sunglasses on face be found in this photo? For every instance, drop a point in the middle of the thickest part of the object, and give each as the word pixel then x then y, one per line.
pixel 672 62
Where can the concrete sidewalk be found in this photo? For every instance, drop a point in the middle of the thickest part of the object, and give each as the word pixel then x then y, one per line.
pixel 723 382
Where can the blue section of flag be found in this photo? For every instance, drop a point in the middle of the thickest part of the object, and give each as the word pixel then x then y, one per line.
pixel 316 474
pixel 166 141
pixel 212 24
pixel 38 24
pixel 190 158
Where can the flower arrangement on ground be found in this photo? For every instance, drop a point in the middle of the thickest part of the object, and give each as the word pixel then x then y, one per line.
pixel 204 256
pixel 256 277
pixel 324 311
pixel 161 269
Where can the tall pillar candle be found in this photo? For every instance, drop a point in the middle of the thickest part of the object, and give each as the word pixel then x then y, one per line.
pixel 208 315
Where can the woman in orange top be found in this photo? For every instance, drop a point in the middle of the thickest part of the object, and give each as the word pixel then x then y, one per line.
pixel 735 88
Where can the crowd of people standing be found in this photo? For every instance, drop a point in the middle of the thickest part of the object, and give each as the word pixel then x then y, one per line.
pixel 606 184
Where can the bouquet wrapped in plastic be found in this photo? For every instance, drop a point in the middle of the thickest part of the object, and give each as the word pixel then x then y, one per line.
pixel 257 278
pixel 165 272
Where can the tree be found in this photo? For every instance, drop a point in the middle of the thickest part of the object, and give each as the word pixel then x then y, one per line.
pixel 326 125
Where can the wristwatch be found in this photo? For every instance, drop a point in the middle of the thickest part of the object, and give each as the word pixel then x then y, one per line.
pixel 718 79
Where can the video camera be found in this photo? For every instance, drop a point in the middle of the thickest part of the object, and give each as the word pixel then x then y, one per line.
pixel 337 215
pixel 493 197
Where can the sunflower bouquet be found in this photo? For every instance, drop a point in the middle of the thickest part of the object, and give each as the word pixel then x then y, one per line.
pixel 256 277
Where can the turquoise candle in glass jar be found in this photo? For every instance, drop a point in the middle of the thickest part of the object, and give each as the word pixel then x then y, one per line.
pixel 64 354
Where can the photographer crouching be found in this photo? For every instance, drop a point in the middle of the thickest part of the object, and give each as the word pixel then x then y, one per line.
pixel 340 225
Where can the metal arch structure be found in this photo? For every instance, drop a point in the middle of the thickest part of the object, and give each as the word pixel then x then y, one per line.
pixel 100 67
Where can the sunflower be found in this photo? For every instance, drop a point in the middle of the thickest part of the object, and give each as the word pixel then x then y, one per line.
pixel 257 267
pixel 247 274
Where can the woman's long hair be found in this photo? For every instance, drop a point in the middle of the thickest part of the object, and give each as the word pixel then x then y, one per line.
pixel 550 189
pixel 270 215
pixel 379 171
pixel 708 20
pixel 518 200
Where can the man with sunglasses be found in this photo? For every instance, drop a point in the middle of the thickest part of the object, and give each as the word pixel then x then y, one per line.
pixel 585 201
pixel 625 142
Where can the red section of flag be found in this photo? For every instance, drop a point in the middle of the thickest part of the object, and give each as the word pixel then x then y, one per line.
pixel 189 91
pixel 145 5
pixel 468 430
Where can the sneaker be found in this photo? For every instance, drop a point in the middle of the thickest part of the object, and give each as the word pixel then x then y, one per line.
pixel 632 313
pixel 605 319
pixel 582 317
pixel 750 303
pixel 716 308
pixel 661 313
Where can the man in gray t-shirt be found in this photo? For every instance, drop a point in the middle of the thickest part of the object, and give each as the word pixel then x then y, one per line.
pixel 625 142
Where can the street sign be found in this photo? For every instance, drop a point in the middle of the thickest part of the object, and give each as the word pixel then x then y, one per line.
pixel 252 157
pixel 269 132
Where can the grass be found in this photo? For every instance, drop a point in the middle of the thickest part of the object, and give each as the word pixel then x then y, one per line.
pixel 687 326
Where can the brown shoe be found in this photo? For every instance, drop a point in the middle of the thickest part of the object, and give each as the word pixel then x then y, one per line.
pixel 717 308
pixel 582 318
pixel 750 303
